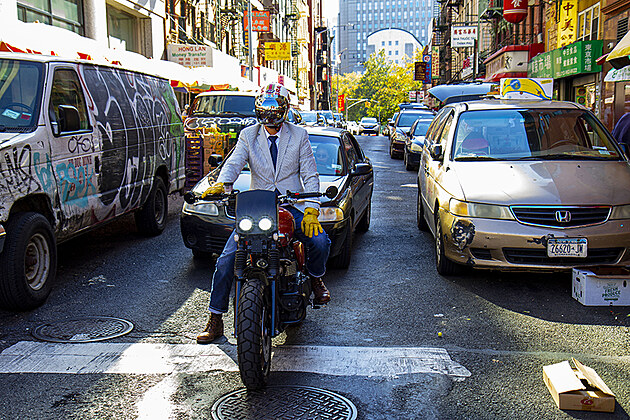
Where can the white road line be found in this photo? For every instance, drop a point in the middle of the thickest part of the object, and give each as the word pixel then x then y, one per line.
pixel 151 358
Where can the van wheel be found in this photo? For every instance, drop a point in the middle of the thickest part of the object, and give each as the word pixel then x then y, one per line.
pixel 444 266
pixel 151 218
pixel 28 262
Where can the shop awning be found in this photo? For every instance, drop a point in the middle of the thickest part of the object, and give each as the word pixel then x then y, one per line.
pixel 619 56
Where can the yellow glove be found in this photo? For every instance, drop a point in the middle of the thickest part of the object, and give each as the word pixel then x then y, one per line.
pixel 310 224
pixel 216 188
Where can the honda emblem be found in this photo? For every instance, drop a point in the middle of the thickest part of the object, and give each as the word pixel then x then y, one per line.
pixel 563 216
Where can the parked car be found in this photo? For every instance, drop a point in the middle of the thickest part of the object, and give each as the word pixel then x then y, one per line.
pixel 523 185
pixel 389 128
pixel 206 226
pixel 80 144
pixel 414 143
pixel 402 124
pixel 313 119
pixel 294 116
pixel 368 126
pixel 340 121
pixel 353 127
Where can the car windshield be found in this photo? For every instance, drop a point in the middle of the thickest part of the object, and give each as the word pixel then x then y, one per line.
pixel 368 120
pixel 328 115
pixel 421 128
pixel 406 119
pixel 338 117
pixel 327 154
pixel 309 116
pixel 20 95
pixel 223 105
pixel 532 134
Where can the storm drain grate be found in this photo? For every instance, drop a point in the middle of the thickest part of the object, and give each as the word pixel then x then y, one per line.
pixel 284 402
pixel 83 330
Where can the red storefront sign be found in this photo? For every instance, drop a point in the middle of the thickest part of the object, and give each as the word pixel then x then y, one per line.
pixel 260 21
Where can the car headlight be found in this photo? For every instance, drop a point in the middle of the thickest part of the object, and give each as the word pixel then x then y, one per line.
pixel 245 224
pixel 620 212
pixel 204 209
pixel 485 211
pixel 416 147
pixel 330 214
pixel 265 223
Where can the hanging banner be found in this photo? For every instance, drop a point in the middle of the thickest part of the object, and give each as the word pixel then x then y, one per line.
pixel 567 25
pixel 260 21
pixel 435 59
pixel 277 51
pixel 427 70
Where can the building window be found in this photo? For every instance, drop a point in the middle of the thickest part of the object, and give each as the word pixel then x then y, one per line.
pixel 396 42
pixel 396 52
pixel 389 43
pixel 67 14
pixel 122 30
pixel 588 23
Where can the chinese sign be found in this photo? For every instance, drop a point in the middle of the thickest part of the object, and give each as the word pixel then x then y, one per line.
pixel 435 59
pixel 190 55
pixel 427 70
pixel 507 63
pixel 260 21
pixel 341 103
pixel 567 25
pixel 277 51
pixel 579 57
pixel 463 36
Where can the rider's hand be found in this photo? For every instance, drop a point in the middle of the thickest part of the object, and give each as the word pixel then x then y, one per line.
pixel 310 224
pixel 216 188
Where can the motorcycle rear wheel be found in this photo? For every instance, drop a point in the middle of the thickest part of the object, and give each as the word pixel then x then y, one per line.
pixel 253 329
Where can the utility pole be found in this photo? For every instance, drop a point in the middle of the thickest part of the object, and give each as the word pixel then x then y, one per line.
pixel 249 37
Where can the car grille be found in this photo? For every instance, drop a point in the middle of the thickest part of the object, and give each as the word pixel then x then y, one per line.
pixel 539 256
pixel 559 216
pixel 230 209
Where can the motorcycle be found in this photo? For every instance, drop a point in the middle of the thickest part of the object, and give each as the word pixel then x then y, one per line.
pixel 273 288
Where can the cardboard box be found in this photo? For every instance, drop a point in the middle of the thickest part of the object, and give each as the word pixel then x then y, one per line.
pixel 601 286
pixel 578 388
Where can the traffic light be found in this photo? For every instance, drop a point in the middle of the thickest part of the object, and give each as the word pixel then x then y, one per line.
pixel 367 104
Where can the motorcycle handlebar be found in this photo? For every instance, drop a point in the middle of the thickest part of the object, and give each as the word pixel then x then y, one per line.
pixel 331 192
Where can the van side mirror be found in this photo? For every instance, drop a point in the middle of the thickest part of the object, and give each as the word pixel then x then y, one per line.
pixel 68 119
pixel 436 151
pixel 215 160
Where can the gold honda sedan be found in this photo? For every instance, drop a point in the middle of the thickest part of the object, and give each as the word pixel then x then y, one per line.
pixel 523 185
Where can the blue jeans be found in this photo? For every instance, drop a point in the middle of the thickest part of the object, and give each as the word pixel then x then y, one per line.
pixel 318 248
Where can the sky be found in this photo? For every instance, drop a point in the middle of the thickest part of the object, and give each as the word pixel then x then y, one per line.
pixel 331 9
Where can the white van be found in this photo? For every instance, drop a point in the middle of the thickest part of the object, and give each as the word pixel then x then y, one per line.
pixel 80 144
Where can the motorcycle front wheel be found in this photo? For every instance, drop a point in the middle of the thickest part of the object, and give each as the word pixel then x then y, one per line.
pixel 253 332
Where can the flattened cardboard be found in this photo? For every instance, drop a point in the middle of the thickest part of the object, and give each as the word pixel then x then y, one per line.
pixel 578 388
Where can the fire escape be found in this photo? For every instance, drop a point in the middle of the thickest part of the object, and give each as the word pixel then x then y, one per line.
pixel 293 18
pixel 322 66
pixel 442 38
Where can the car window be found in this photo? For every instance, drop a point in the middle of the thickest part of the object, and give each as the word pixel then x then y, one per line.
pixel 20 94
pixel 327 152
pixel 445 129
pixel 421 128
pixel 309 116
pixel 436 125
pixel 406 119
pixel 357 149
pixel 350 152
pixel 66 90
pixel 223 105
pixel 512 134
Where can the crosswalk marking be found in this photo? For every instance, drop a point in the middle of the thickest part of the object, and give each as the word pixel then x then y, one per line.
pixel 156 358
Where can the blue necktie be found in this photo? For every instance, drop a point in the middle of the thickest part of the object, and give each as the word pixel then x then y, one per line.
pixel 273 149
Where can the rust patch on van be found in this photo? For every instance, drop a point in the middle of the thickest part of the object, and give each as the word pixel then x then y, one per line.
pixel 463 233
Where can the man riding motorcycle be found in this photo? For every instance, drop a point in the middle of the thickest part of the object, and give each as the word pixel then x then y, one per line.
pixel 280 158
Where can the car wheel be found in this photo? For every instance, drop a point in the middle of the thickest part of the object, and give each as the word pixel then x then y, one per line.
pixel 391 150
pixel 151 218
pixel 28 262
pixel 343 259
pixel 421 221
pixel 444 266
pixel 364 222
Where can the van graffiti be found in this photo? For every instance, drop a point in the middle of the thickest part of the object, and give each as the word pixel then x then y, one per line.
pixel 16 171
pixel 75 183
pixel 208 122
pixel 79 144
pixel 44 171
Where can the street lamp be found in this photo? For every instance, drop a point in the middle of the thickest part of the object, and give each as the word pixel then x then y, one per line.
pixel 339 64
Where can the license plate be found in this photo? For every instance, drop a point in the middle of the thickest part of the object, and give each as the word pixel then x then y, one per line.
pixel 567 247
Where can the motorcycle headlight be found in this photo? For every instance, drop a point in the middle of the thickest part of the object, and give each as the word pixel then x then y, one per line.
pixel 265 224
pixel 330 214
pixel 204 209
pixel 485 211
pixel 245 224
pixel 620 212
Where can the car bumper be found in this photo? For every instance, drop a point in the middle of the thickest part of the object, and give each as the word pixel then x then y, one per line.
pixel 3 235
pixel 413 157
pixel 209 234
pixel 398 146
pixel 510 245
pixel 369 129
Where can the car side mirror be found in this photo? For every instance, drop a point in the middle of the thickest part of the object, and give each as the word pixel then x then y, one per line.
pixel 215 160
pixel 624 148
pixel 331 192
pixel 361 169
pixel 437 152
pixel 68 119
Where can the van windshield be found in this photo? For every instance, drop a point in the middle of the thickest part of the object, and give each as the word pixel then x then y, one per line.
pixel 20 94
pixel 223 105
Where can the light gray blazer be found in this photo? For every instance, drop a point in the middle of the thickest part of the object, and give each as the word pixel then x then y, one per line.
pixel 295 171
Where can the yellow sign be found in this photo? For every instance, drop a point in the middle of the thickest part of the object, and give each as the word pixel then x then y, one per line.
pixel 277 51
pixel 567 25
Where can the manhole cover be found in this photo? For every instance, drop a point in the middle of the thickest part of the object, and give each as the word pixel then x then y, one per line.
pixel 83 330
pixel 284 402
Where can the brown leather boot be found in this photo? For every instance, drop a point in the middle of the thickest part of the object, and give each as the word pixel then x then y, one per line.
pixel 322 295
pixel 213 330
